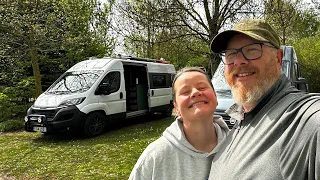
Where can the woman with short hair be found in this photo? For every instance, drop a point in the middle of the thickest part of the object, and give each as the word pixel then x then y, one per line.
pixel 188 145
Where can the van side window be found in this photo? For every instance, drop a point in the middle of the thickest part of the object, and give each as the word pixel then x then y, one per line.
pixel 113 80
pixel 159 80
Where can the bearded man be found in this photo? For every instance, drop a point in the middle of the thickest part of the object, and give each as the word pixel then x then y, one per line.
pixel 277 134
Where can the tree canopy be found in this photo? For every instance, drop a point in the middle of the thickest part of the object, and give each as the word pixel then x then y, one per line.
pixel 41 39
pixel 191 24
pixel 56 34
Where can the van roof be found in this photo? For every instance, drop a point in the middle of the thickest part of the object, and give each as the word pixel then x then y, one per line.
pixel 103 63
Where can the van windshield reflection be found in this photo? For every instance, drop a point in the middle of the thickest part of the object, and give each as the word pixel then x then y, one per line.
pixel 218 81
pixel 74 82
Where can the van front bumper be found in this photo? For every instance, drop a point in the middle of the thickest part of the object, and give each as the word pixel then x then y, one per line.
pixel 54 119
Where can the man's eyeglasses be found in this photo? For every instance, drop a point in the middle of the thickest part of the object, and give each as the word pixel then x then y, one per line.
pixel 249 52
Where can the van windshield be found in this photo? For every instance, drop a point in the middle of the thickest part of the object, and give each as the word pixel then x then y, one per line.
pixel 74 82
pixel 218 81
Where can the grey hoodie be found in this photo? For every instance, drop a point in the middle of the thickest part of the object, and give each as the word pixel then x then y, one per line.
pixel 173 157
pixel 279 139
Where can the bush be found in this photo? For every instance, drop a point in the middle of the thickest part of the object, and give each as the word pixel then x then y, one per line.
pixel 11 125
pixel 14 101
pixel 308 52
pixel 5 107
pixel 10 110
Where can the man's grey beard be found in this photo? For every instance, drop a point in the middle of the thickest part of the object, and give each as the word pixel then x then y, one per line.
pixel 252 96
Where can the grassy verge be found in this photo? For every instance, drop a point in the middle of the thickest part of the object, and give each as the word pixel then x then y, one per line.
pixel 112 155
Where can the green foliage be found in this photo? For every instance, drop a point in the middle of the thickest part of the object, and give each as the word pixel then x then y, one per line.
pixel 308 24
pixel 39 40
pixel 110 156
pixel 5 107
pixel 14 101
pixel 22 91
pixel 291 19
pixel 180 52
pixel 179 31
pixel 308 53
pixel 65 31
pixel 11 125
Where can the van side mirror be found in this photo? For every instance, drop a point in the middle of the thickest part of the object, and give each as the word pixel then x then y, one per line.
pixel 302 84
pixel 103 89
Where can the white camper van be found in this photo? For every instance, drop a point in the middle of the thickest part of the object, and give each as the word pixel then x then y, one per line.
pixel 94 93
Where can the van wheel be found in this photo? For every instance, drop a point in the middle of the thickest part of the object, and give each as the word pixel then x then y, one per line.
pixel 167 113
pixel 94 124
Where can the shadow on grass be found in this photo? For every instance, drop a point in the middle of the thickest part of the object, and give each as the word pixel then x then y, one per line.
pixel 77 136
pixel 135 121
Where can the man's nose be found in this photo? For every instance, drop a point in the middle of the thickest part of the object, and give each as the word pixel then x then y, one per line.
pixel 239 59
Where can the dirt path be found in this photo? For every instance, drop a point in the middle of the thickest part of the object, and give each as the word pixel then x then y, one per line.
pixel 6 177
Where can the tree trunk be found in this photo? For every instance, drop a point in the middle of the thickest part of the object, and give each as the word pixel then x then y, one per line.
pixel 214 61
pixel 34 62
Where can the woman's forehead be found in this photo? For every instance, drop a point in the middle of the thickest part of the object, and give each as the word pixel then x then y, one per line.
pixel 190 75
pixel 191 78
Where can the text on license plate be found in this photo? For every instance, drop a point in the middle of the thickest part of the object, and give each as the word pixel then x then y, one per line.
pixel 41 129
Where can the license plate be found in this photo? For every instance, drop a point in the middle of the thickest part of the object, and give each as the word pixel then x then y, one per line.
pixel 41 129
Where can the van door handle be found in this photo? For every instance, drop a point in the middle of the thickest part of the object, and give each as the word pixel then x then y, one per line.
pixel 152 92
pixel 121 95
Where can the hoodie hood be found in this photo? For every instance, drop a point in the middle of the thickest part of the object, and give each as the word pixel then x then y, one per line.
pixel 175 135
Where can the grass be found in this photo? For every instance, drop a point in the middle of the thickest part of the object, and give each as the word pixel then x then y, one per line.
pixel 112 155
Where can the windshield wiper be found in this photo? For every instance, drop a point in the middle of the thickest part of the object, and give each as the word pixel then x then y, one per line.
pixel 58 92
pixel 223 90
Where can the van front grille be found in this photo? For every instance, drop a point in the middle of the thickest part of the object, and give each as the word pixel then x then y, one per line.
pixel 226 118
pixel 48 113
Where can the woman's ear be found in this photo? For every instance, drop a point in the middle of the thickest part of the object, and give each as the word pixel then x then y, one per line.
pixel 215 94
pixel 176 109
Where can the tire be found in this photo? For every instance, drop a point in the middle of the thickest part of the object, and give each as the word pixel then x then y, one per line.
pixel 48 133
pixel 167 112
pixel 94 124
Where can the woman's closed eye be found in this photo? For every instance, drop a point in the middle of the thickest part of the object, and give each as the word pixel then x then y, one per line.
pixel 202 88
pixel 185 92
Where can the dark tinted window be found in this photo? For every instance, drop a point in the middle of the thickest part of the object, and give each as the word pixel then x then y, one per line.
pixel 159 81
pixel 113 80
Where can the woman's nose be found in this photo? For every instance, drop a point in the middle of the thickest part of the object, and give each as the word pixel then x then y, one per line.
pixel 195 92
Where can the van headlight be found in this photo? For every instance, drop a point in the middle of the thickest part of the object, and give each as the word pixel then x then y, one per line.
pixel 71 102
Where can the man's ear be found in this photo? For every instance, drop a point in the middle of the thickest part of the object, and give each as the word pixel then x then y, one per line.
pixel 280 56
